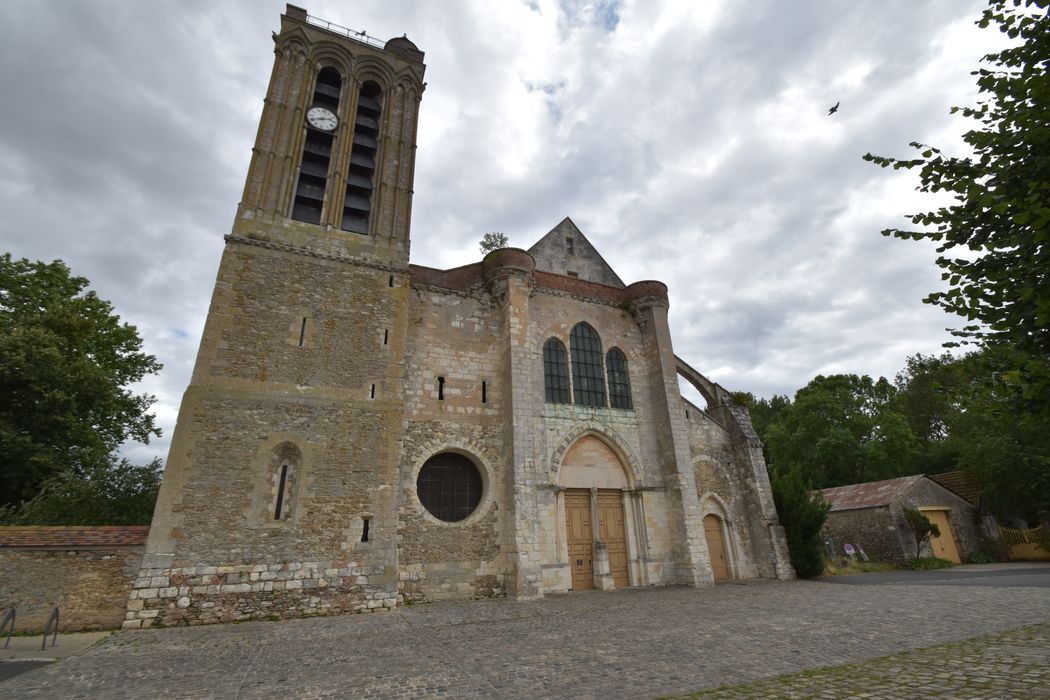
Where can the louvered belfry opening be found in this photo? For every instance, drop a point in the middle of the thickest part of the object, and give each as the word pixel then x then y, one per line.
pixel 361 173
pixel 317 153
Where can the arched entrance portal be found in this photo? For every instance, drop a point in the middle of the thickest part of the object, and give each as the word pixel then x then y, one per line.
pixel 595 524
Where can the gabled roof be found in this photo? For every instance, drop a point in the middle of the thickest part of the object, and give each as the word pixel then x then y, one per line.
pixel 554 253
pixel 962 483
pixel 870 495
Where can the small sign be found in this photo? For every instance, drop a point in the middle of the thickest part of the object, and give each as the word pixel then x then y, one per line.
pixel 850 551
pixel 862 554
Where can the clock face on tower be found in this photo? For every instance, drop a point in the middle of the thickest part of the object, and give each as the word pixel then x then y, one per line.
pixel 322 118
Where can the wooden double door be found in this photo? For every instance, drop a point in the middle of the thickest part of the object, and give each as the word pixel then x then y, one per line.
pixel 579 527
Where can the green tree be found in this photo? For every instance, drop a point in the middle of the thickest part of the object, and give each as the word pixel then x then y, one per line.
pixel 921 528
pixel 114 493
pixel 842 429
pixel 66 362
pixel 493 241
pixel 802 513
pixel 994 240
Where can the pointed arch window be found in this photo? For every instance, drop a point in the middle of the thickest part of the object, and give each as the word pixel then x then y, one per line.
pixel 555 372
pixel 619 381
pixel 588 382
pixel 317 152
pixel 360 178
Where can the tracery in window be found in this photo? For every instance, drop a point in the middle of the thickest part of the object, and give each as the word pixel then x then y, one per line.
pixel 555 372
pixel 588 382
pixel 449 486
pixel 619 380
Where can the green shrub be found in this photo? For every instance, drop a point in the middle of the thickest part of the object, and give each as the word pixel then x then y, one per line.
pixel 926 563
pixel 981 557
pixel 802 514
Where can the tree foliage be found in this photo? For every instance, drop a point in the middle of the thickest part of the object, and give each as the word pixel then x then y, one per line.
pixel 66 362
pixel 802 513
pixel 493 241
pixel 921 528
pixel 114 493
pixel 994 240
pixel 841 429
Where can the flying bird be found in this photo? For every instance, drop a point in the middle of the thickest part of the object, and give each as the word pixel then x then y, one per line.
pixel 834 109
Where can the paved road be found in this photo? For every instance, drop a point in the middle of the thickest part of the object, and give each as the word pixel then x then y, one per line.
pixel 631 643
pixel 1026 574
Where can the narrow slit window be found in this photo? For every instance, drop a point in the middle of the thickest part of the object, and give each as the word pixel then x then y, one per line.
pixel 441 388
pixel 317 150
pixel 569 247
pixel 302 332
pixel 364 530
pixel 372 394
pixel 280 492
pixel 484 393
pixel 360 178
pixel 386 336
pixel 390 282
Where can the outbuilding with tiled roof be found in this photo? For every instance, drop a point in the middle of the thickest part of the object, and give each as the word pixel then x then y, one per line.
pixel 870 517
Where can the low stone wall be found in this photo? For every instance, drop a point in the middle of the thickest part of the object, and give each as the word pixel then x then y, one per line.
pixel 199 595
pixel 86 572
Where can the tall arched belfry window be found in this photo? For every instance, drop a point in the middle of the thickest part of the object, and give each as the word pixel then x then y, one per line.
pixel 555 372
pixel 588 384
pixel 619 381
pixel 321 123
pixel 361 174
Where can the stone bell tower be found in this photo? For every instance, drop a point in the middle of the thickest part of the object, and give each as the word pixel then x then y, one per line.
pixel 279 493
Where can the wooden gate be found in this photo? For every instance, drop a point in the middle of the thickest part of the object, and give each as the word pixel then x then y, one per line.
pixel 580 536
pixel 612 533
pixel 1032 544
pixel 716 546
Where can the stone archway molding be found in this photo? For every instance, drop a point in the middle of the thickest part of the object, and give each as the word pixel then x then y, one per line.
pixel 614 441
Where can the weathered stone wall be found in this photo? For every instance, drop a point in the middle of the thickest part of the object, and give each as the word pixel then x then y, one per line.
pixel 874 529
pixel 453 335
pixel 89 586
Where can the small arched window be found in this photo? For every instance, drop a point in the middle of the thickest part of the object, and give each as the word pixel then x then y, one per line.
pixel 360 179
pixel 317 149
pixel 555 372
pixel 285 463
pixel 587 381
pixel 619 381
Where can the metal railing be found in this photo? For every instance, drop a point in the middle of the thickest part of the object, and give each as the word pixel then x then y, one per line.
pixel 9 616
pixel 47 628
pixel 361 36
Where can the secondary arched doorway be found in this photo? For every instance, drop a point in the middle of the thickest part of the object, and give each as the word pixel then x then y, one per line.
pixel 716 546
pixel 596 529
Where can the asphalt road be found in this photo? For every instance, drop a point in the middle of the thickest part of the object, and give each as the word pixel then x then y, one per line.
pixel 1011 575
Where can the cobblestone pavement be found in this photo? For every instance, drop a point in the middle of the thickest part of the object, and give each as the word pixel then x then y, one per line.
pixel 1011 665
pixel 631 643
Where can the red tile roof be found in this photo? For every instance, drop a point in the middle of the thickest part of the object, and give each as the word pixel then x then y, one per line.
pixel 73 537
pixel 869 495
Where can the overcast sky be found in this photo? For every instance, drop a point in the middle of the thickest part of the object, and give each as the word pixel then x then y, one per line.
pixel 689 140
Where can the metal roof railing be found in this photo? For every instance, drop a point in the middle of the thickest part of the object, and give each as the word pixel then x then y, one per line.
pixel 361 36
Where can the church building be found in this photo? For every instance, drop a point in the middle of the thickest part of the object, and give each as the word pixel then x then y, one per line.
pixel 361 432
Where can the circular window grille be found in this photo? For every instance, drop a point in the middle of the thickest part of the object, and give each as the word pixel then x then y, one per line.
pixel 449 487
